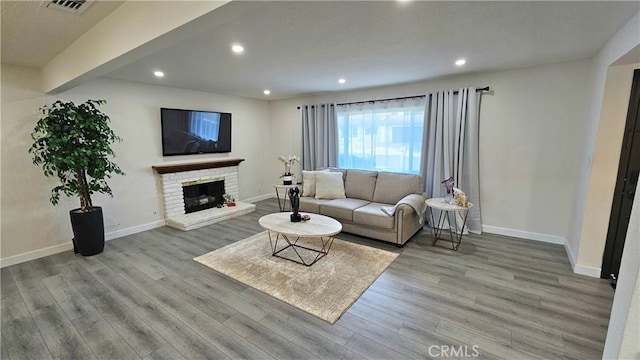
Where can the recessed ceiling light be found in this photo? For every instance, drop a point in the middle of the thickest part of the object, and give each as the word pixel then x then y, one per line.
pixel 267 92
pixel 237 48
pixel 342 81
pixel 158 73
pixel 461 62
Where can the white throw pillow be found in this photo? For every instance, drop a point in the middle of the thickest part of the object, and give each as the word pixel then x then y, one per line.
pixel 309 182
pixel 329 185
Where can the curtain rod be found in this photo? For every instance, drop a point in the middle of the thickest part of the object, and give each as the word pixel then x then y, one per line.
pixel 486 88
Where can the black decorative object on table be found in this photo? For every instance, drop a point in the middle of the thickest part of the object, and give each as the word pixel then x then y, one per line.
pixel 294 197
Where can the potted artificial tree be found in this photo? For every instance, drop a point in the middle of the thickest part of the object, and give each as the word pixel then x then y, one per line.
pixel 73 142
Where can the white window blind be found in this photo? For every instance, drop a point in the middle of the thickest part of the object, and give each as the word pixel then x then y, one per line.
pixel 381 135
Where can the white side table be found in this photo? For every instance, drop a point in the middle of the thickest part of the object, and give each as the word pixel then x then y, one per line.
pixel 282 203
pixel 446 209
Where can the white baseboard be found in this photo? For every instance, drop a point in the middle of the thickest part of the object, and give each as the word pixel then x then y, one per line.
pixel 259 198
pixel 553 239
pixel 581 269
pixel 570 255
pixel 587 270
pixel 134 230
pixel 35 254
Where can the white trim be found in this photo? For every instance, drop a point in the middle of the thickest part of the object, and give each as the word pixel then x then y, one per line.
pixel 572 258
pixel 581 269
pixel 134 230
pixel 553 239
pixel 35 254
pixel 259 198
pixel 587 270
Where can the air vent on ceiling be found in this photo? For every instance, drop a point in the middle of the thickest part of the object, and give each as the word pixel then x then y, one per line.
pixel 74 7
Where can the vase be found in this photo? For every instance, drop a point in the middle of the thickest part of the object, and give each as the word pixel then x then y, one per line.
pixel 449 199
pixel 287 179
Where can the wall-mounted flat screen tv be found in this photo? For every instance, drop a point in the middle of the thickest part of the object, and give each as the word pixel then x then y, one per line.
pixel 186 132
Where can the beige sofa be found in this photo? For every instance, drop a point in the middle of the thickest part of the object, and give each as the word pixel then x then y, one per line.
pixel 380 205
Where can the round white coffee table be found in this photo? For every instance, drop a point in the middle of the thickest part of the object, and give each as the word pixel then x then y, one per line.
pixel 445 209
pixel 318 227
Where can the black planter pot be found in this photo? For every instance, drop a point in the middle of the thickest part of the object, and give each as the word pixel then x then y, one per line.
pixel 88 231
pixel 287 179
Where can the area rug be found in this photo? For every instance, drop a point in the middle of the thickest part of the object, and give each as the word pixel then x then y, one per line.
pixel 326 289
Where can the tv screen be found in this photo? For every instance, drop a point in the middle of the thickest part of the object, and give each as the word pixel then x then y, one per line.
pixel 187 132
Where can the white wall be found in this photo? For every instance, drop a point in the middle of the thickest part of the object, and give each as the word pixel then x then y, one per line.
pixel 528 150
pixel 587 254
pixel 29 221
pixel 134 110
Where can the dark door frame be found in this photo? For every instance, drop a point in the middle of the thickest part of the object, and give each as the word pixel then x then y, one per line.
pixel 613 248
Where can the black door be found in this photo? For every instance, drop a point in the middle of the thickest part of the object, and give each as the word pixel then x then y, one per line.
pixel 628 170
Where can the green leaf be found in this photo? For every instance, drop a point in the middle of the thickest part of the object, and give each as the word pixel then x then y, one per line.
pixel 73 142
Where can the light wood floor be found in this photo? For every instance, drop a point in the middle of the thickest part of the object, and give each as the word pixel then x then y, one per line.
pixel 145 297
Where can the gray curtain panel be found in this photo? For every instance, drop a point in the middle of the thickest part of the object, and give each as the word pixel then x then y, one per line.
pixel 450 146
pixel 319 136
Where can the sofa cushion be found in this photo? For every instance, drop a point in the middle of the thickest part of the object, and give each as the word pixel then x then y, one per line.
pixel 391 187
pixel 311 204
pixel 329 185
pixel 360 184
pixel 341 209
pixel 372 215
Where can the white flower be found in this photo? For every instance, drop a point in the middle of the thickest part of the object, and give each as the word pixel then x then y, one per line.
pixel 290 160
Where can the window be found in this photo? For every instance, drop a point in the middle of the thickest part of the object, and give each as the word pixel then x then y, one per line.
pixel 384 135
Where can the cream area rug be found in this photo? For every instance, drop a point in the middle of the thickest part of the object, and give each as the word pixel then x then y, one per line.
pixel 326 289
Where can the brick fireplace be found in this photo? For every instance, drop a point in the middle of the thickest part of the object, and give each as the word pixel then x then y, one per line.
pixel 191 193
pixel 203 194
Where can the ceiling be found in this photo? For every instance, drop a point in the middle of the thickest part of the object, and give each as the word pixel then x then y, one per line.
pixel 302 47
pixel 33 35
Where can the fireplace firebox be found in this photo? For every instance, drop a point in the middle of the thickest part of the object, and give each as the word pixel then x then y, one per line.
pixel 202 194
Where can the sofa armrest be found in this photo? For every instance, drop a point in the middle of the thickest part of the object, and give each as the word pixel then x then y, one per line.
pixel 413 201
pixel 405 208
pixel 407 223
